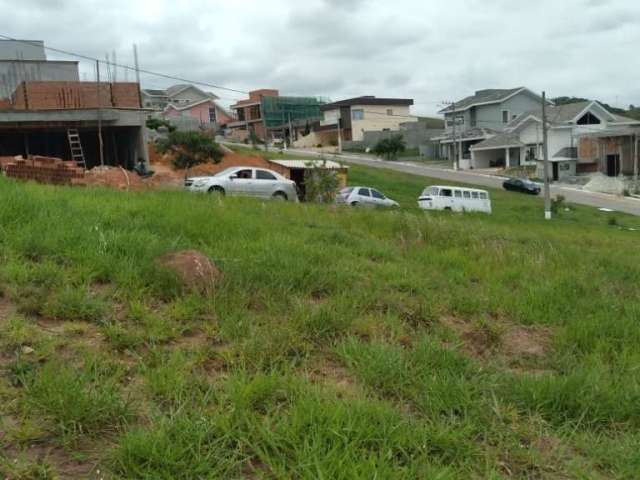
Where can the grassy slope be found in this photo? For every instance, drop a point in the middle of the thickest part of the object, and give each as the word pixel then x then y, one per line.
pixel 341 343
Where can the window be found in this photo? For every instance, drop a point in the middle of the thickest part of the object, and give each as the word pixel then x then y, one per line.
pixel 254 113
pixel 531 153
pixel 264 175
pixel 364 192
pixel 589 119
pixel 474 195
pixel 377 194
pixel 244 174
pixel 457 193
pixel 483 196
pixel 212 114
pixel 389 111
pixel 445 192
pixel 357 114
pixel 466 194
pixel 505 116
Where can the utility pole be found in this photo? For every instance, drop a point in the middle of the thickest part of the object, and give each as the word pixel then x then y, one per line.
pixel 101 146
pixel 290 131
pixel 545 152
pixel 455 143
pixel 635 164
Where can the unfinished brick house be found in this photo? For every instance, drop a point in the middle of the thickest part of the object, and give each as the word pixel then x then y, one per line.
pixel 268 115
pixel 52 118
pixel 45 111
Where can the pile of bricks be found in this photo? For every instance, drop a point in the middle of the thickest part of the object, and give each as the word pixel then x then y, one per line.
pixel 44 170
pixel 75 95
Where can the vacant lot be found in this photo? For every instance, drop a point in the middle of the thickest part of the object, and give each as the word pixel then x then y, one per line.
pixel 339 343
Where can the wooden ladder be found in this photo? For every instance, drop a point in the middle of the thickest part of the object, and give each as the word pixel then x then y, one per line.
pixel 77 155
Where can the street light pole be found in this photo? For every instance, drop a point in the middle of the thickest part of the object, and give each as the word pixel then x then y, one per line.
pixel 545 152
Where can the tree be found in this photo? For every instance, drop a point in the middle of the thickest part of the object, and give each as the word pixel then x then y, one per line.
pixel 320 182
pixel 190 148
pixel 154 123
pixel 389 148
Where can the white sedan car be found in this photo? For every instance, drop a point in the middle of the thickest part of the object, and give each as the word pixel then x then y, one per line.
pixel 364 196
pixel 246 181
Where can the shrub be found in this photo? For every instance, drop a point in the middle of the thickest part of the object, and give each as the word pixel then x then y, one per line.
pixel 155 123
pixel 190 148
pixel 389 148
pixel 320 182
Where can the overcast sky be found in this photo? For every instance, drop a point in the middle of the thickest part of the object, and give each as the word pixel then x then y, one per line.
pixel 428 50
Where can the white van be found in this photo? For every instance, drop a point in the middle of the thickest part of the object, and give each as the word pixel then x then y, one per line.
pixel 457 199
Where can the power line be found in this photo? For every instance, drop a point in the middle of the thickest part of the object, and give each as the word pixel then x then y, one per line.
pixel 129 67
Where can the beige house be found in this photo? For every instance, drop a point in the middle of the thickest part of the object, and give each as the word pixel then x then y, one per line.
pixel 357 115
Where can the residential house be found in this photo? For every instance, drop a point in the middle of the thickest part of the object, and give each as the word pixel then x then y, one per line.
pixel 481 116
pixel 572 148
pixel 354 116
pixel 269 115
pixel 187 106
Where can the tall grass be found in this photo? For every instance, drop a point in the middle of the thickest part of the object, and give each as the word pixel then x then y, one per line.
pixel 323 352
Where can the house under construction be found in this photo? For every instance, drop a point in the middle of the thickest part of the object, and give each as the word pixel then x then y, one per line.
pixel 88 122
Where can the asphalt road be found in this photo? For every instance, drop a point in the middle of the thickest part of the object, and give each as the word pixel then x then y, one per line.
pixel 581 197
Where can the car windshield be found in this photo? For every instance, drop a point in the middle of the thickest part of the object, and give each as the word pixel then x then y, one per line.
pixel 346 191
pixel 226 171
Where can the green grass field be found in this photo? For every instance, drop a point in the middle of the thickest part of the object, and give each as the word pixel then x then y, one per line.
pixel 341 343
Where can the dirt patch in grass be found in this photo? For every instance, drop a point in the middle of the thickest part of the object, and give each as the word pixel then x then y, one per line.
pixel 498 337
pixel 326 370
pixel 6 308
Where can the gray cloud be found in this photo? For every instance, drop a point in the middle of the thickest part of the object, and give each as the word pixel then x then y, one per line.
pixel 428 51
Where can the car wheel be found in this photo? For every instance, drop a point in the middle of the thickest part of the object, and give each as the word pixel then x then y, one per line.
pixel 217 190
pixel 354 204
pixel 280 196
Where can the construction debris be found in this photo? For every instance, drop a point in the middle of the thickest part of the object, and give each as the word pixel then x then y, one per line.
pixel 114 177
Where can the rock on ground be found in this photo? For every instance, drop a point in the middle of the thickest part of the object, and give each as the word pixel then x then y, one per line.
pixel 196 271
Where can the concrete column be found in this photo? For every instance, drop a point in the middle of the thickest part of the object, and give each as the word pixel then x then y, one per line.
pixel 142 150
pixel 507 158
pixel 473 159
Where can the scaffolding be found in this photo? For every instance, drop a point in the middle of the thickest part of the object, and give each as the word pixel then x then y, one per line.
pixel 278 111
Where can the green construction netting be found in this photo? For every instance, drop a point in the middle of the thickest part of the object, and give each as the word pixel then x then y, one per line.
pixel 278 111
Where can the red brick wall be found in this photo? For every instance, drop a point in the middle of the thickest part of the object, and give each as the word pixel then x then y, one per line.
pixel 44 170
pixel 75 95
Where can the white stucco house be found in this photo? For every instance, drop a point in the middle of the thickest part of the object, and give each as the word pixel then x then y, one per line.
pixel 520 142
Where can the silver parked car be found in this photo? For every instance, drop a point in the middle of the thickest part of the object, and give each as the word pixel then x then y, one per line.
pixel 364 196
pixel 246 181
